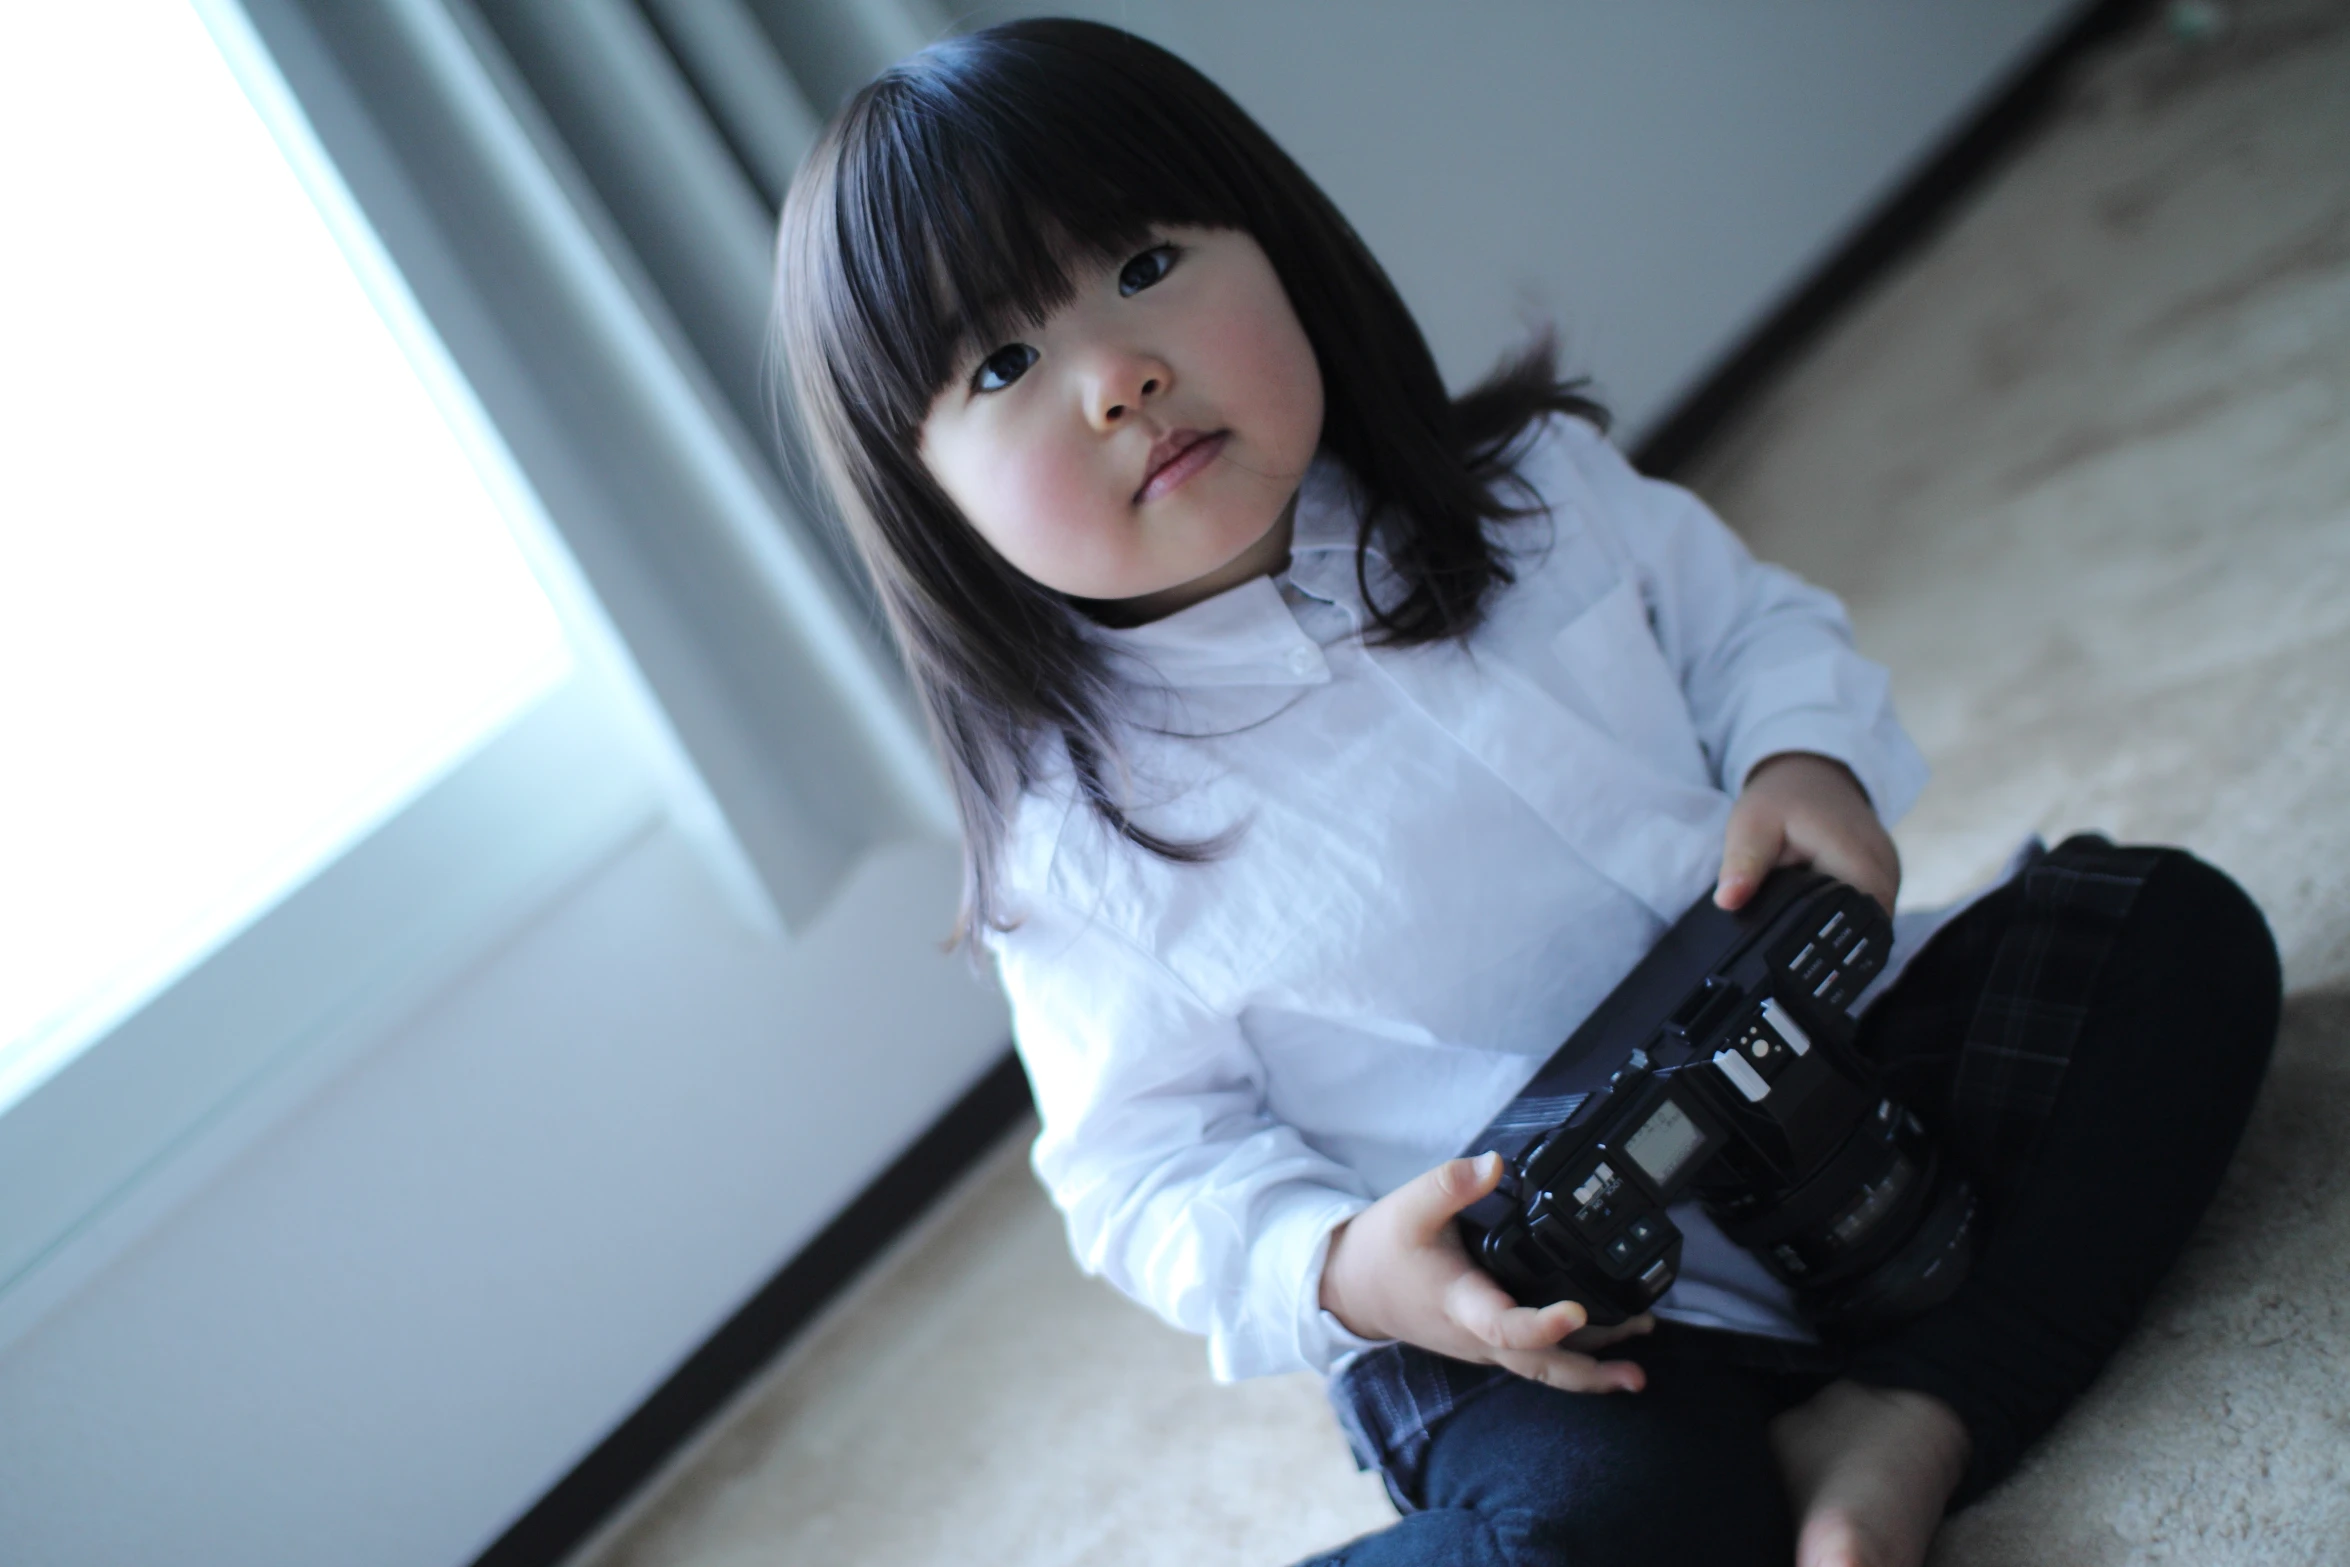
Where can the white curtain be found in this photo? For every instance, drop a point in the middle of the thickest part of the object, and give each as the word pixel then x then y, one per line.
pixel 582 195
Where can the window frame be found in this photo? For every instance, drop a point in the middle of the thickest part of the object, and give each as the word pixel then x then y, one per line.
pixel 143 1114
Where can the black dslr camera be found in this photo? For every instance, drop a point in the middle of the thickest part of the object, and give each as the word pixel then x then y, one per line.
pixel 1722 1068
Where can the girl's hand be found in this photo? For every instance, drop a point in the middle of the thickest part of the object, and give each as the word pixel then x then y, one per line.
pixel 1398 1270
pixel 1801 809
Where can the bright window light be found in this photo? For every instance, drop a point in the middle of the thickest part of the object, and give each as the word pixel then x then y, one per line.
pixel 254 594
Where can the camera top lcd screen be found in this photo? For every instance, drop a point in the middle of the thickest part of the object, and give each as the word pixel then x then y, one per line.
pixel 1662 1146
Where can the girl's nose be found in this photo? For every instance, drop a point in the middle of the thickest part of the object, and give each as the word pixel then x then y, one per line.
pixel 1120 384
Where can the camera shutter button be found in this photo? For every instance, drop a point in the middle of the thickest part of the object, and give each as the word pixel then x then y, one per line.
pixel 1742 1076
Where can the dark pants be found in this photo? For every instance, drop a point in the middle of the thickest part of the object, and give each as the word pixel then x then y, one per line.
pixel 2162 1077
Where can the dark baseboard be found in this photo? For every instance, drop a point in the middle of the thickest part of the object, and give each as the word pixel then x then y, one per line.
pixel 1899 225
pixel 750 1339
pixel 584 1499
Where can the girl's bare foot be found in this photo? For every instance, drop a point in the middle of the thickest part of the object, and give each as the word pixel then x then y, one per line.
pixel 1869 1470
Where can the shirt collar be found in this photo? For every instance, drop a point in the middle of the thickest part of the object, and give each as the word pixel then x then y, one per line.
pixel 1244 636
pixel 1323 537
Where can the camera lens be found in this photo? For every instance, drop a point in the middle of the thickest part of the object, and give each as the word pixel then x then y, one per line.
pixel 1880 1230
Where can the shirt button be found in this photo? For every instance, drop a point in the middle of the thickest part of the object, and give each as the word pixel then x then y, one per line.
pixel 1302 660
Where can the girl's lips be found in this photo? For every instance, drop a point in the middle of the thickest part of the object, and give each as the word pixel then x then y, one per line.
pixel 1180 456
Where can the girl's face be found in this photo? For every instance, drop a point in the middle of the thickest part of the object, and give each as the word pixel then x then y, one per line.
pixel 1144 444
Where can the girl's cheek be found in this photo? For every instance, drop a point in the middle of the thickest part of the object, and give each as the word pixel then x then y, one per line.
pixel 1053 524
pixel 1269 368
pixel 1003 488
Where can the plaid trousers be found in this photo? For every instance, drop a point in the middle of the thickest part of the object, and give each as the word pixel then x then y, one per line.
pixel 2010 1068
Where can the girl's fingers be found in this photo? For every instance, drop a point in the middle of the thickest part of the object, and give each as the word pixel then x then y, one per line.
pixel 1752 844
pixel 1573 1373
pixel 1601 1338
pixel 1483 1308
pixel 1861 854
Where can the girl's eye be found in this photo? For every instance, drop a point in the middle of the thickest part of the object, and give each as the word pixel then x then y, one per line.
pixel 1001 368
pixel 1146 269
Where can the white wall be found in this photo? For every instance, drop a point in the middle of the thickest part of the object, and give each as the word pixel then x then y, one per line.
pixel 384 1329
pixel 1652 175
pixel 391 1324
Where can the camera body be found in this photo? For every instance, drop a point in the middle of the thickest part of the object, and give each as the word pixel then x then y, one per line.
pixel 1722 1068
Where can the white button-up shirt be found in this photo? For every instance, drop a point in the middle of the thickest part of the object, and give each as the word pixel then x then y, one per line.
pixel 1440 859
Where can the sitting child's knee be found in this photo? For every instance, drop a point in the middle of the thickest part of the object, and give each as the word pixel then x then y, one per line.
pixel 2208 918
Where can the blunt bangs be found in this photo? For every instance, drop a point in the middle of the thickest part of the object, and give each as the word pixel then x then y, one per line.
pixel 975 183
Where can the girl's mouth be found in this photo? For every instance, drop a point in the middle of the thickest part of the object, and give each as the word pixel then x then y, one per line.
pixel 1178 455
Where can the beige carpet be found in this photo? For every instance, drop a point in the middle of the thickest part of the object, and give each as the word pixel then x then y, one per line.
pixel 2083 472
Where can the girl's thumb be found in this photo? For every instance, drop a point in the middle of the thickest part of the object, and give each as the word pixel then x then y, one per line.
pixel 1746 860
pixel 1460 1182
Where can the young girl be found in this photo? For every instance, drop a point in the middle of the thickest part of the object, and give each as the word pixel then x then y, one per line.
pixel 1328 746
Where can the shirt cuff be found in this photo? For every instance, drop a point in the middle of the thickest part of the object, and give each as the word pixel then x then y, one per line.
pixel 1847 718
pixel 1324 1343
pixel 1282 1325
pixel 1889 769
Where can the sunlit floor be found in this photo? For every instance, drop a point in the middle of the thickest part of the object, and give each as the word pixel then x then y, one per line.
pixel 2082 470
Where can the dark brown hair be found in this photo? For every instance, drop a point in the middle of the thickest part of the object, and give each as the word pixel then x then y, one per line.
pixel 959 196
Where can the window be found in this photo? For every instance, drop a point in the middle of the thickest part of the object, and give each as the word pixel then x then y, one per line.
pixel 282 695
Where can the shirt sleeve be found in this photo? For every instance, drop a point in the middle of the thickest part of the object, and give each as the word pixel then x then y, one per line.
pixel 1178 1187
pixel 1765 659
